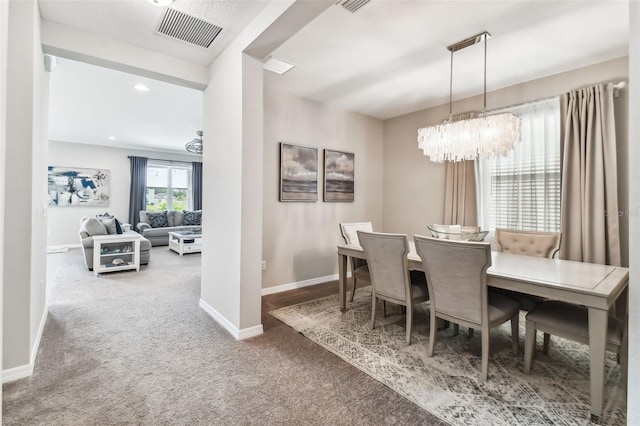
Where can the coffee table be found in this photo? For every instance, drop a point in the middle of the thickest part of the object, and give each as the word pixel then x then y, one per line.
pixel 186 241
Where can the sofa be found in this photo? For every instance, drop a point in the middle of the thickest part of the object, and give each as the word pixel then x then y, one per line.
pixel 155 226
pixel 92 226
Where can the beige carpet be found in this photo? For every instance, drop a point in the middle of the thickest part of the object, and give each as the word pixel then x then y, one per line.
pixel 448 385
pixel 134 348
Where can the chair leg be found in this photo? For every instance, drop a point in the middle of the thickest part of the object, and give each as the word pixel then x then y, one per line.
pixel 433 329
pixel 353 292
pixel 373 310
pixel 529 346
pixel 384 309
pixel 485 353
pixel 624 356
pixel 515 320
pixel 456 329
pixel 545 343
pixel 470 333
pixel 409 323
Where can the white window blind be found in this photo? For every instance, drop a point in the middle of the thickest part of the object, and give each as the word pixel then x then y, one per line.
pixel 522 189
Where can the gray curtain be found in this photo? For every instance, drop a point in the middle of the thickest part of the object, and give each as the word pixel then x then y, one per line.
pixel 196 176
pixel 138 189
pixel 460 194
pixel 589 203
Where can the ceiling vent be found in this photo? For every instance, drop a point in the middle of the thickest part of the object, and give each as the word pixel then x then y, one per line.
pixel 352 5
pixel 181 26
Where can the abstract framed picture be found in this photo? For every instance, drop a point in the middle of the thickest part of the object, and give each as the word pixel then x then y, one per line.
pixel 298 173
pixel 339 175
pixel 77 187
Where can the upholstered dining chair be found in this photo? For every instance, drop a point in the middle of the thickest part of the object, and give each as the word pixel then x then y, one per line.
pixel 571 322
pixel 456 274
pixel 386 256
pixel 527 243
pixel 359 268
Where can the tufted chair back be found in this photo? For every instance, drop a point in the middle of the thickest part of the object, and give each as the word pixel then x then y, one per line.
pixel 528 243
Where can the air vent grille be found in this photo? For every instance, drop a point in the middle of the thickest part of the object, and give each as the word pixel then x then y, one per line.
pixel 352 5
pixel 188 28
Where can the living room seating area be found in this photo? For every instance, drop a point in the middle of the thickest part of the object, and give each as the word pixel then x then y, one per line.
pixel 107 225
pixel 155 226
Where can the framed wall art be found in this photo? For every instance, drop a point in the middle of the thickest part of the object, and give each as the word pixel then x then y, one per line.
pixel 77 187
pixel 298 173
pixel 339 175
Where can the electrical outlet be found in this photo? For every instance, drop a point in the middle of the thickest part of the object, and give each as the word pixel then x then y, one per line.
pixel 264 265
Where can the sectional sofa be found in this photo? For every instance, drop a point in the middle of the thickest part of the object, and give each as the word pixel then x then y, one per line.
pixel 155 226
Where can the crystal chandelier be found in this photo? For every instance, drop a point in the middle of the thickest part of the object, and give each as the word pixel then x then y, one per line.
pixel 195 146
pixel 467 139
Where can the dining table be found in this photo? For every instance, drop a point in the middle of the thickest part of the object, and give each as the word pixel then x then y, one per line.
pixel 597 287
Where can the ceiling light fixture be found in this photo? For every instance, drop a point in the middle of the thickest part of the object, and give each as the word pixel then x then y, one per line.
pixel 276 65
pixel 141 87
pixel 161 2
pixel 468 139
pixel 195 146
pixel 112 138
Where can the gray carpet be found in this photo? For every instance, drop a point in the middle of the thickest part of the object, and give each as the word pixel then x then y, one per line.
pixel 135 348
pixel 448 384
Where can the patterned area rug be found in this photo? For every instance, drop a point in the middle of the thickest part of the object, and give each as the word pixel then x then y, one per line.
pixel 448 385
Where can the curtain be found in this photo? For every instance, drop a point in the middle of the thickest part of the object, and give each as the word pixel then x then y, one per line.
pixel 138 189
pixel 460 194
pixel 590 225
pixel 196 176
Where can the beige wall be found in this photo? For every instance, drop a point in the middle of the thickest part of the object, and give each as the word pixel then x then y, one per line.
pixel 4 25
pixel 633 390
pixel 299 239
pixel 25 264
pixel 414 186
pixel 63 222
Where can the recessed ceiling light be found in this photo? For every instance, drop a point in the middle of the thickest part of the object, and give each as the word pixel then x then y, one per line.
pixel 112 138
pixel 276 65
pixel 141 87
pixel 161 2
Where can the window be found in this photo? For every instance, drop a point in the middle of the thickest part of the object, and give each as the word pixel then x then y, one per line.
pixel 169 186
pixel 522 189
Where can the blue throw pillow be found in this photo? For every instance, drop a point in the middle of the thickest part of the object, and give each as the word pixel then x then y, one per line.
pixel 158 220
pixel 118 227
pixel 192 218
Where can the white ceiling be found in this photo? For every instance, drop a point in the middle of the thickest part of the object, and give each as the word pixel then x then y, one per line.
pixel 387 59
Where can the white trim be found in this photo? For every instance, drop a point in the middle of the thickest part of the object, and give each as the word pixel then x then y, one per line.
pixel 63 246
pixel 16 373
pixel 299 284
pixel 232 329
pixel 26 370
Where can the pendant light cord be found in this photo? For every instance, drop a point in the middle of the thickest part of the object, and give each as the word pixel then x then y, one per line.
pixel 484 107
pixel 451 89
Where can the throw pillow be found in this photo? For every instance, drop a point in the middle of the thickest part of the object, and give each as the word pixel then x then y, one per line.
pixel 118 226
pixel 110 224
pixel 192 218
pixel 93 227
pixel 158 220
pixel 178 218
pixel 103 216
pixel 143 216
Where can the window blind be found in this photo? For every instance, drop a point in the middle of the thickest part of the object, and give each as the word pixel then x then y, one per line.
pixel 522 189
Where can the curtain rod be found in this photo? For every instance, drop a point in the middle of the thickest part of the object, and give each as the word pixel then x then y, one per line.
pixel 167 161
pixel 616 88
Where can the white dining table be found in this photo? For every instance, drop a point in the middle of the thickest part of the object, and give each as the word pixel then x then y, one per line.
pixel 598 287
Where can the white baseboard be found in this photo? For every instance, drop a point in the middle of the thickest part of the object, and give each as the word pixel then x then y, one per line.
pixel 16 373
pixel 300 284
pixel 232 329
pixel 23 371
pixel 64 246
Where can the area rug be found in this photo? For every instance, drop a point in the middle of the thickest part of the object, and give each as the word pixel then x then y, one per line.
pixel 448 385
